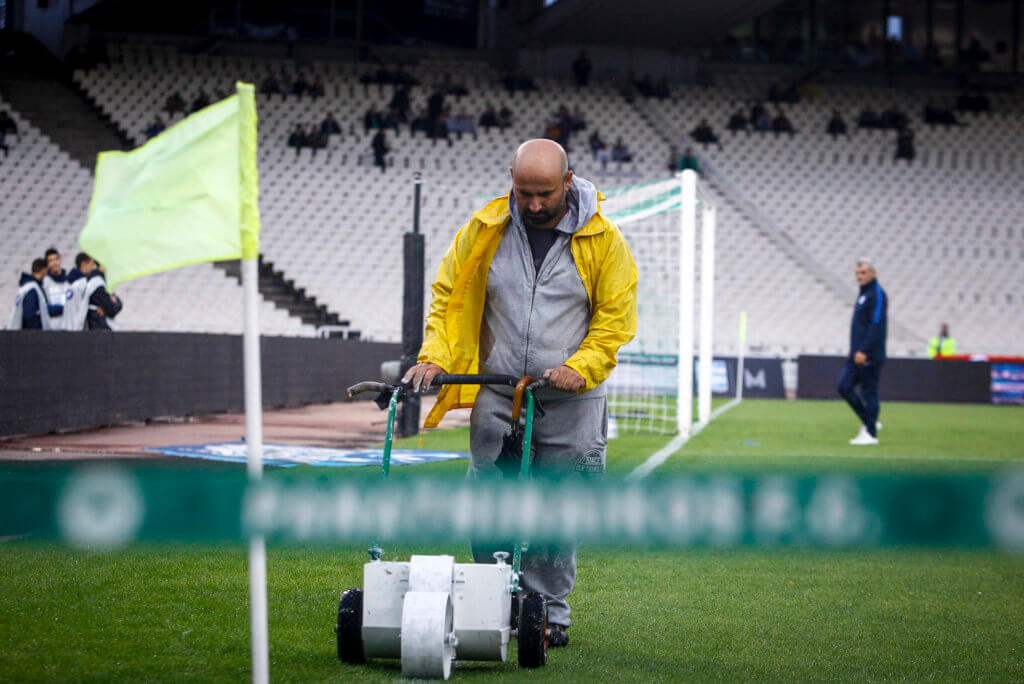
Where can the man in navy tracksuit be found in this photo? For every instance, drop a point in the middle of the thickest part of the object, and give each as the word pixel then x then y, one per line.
pixel 867 353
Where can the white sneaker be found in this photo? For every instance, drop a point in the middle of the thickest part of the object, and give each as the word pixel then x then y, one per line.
pixel 864 438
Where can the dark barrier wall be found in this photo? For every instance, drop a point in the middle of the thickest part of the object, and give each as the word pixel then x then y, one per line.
pixel 64 381
pixel 902 380
pixel 762 378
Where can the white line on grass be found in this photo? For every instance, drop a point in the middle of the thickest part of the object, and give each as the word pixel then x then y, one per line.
pixel 662 454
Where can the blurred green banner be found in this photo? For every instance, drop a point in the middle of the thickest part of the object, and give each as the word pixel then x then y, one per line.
pixel 108 507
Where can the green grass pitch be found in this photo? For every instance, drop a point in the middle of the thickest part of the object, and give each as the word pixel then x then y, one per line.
pixel 181 612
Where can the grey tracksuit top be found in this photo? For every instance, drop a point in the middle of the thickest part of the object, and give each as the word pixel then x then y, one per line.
pixel 536 319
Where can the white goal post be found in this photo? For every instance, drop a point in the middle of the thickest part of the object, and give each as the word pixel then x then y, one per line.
pixel 651 390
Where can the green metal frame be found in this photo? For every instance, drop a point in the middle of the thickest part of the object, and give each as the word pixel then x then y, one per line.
pixel 524 473
pixel 375 550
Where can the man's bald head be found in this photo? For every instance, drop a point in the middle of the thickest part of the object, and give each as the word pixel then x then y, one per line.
pixel 540 182
pixel 540 156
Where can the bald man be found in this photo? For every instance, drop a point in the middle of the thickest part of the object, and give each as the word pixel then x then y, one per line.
pixel 538 283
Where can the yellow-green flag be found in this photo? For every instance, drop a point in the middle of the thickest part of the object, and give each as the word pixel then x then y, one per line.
pixel 188 195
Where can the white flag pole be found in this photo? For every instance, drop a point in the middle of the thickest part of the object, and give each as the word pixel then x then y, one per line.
pixel 254 449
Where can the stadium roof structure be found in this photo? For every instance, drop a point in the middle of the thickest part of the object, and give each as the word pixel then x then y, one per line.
pixel 670 24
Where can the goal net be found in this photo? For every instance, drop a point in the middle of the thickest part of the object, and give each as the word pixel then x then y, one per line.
pixel 651 390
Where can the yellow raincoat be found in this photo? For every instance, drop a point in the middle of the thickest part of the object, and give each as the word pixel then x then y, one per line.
pixel 452 335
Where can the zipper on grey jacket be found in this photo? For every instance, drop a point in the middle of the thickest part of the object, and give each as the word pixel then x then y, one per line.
pixel 545 265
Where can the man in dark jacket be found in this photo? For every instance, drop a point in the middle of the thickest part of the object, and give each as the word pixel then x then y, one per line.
pixel 867 353
pixel 30 309
pixel 102 304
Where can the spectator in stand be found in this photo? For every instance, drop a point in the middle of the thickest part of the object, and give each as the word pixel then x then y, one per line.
pixel 175 103
pixel 581 68
pixel 7 124
pixel 688 161
pixel 401 77
pixel 30 307
pixel 869 118
pixel 54 285
pixel 271 85
pixel 554 131
pixel 392 121
pixel 372 119
pixel 764 122
pixel 579 123
pixel 449 87
pixel 330 125
pixel 518 80
pixel 974 102
pixel 704 134
pixel 620 152
pixel 595 143
pixel 942 345
pixel 380 150
pixel 603 154
pixel 301 86
pixel 435 104
pixel 905 145
pixel 489 119
pixel 757 112
pixel 673 159
pixel 895 119
pixel 505 117
pixel 439 130
pixel 316 140
pixel 420 123
pixel 566 123
pixel 460 123
pixel 937 116
pixel 400 102
pixel 975 54
pixel 3 146
pixel 317 88
pixel 367 80
pixel 661 89
pixel 782 124
pixel 202 100
pixel 738 122
pixel 836 126
pixel 298 139
pixel 156 128
pixel 644 86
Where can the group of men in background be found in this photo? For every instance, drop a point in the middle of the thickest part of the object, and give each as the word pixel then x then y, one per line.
pixel 50 298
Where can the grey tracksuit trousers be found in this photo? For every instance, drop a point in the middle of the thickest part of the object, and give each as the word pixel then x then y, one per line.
pixel 569 440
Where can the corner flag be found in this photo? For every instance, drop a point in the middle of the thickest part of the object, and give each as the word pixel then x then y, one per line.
pixel 186 196
pixel 191 195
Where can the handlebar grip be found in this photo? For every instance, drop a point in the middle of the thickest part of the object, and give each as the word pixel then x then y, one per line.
pixel 446 379
pixel 538 384
pixel 369 386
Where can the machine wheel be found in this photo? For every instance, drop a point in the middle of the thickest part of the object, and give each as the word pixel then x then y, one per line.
pixel 428 640
pixel 533 631
pixel 350 627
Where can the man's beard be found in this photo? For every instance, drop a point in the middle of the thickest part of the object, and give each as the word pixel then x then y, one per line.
pixel 542 218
